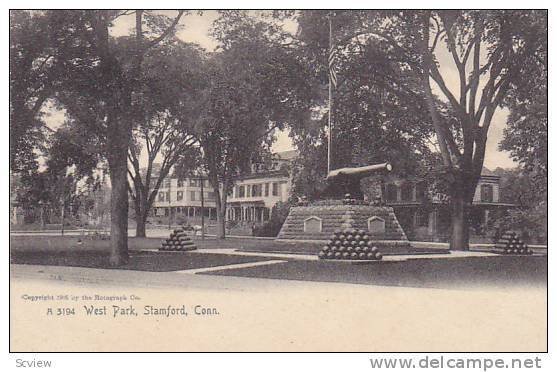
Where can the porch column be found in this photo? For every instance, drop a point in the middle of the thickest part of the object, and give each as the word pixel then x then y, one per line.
pixel 432 228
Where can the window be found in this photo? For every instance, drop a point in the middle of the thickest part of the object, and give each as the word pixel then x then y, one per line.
pixel 406 191
pixel 242 192
pixel 180 183
pixel 421 190
pixel 256 190
pixel 179 195
pixel 192 196
pixel 391 191
pixel 487 193
pixel 211 195
pixel 275 188
pixel 193 182
pixel 161 196
pixel 266 189
pixel 248 191
pixel 167 196
pixel 167 182
pixel 422 218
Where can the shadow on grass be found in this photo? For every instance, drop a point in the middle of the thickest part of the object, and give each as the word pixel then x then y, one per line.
pixel 140 261
pixel 426 273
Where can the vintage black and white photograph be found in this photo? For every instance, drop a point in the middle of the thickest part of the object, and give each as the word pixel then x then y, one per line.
pixel 285 180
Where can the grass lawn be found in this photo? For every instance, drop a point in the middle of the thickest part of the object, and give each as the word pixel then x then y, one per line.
pixel 314 248
pixel 66 251
pixel 71 243
pixel 430 273
pixel 141 261
pixel 434 273
pixel 64 243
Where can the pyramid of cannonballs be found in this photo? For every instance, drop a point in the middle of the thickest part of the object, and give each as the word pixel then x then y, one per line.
pixel 350 244
pixel 510 243
pixel 178 241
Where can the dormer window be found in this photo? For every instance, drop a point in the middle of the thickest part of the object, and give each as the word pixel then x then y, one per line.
pixel 487 193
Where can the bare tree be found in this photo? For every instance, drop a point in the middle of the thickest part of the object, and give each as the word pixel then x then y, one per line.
pixel 161 137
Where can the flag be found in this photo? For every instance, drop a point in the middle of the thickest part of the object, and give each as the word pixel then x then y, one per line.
pixel 332 62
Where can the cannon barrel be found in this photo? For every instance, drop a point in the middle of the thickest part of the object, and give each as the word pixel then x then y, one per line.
pixel 360 171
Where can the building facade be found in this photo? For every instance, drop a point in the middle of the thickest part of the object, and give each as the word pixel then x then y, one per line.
pixel 251 199
pixel 427 217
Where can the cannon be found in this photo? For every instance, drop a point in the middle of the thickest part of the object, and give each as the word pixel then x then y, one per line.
pixel 344 181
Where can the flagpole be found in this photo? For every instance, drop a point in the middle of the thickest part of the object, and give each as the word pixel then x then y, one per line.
pixel 330 96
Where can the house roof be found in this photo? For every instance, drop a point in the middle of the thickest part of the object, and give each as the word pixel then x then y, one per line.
pixel 487 172
pixel 287 155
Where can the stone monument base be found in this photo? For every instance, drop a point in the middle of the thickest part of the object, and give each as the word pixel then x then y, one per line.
pixel 320 220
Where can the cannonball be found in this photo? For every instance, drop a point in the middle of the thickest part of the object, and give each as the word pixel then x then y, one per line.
pixel 370 256
pixel 326 248
pixel 353 255
pixel 346 243
pixel 362 244
pixel 342 237
pixel 362 256
pixel 346 255
pixel 366 249
pixel 370 243
pixel 378 256
pixel 365 237
pixel 350 249
pixel 357 237
pixel 338 254
pixel 322 255
pixel 374 249
pixel 341 249
pixel 350 237
pixel 347 231
pixel 354 243
pixel 358 249
pixel 330 254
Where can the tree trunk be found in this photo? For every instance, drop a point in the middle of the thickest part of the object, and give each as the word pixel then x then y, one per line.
pixel 221 224
pixel 141 222
pixel 43 220
pixel 141 214
pixel 221 213
pixel 459 222
pixel 118 204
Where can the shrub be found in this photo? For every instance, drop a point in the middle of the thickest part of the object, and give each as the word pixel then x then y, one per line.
pixel 272 227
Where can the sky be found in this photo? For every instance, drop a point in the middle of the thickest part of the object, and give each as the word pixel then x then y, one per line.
pixel 195 28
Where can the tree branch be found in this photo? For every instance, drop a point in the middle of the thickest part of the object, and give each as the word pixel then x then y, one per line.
pixel 166 32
